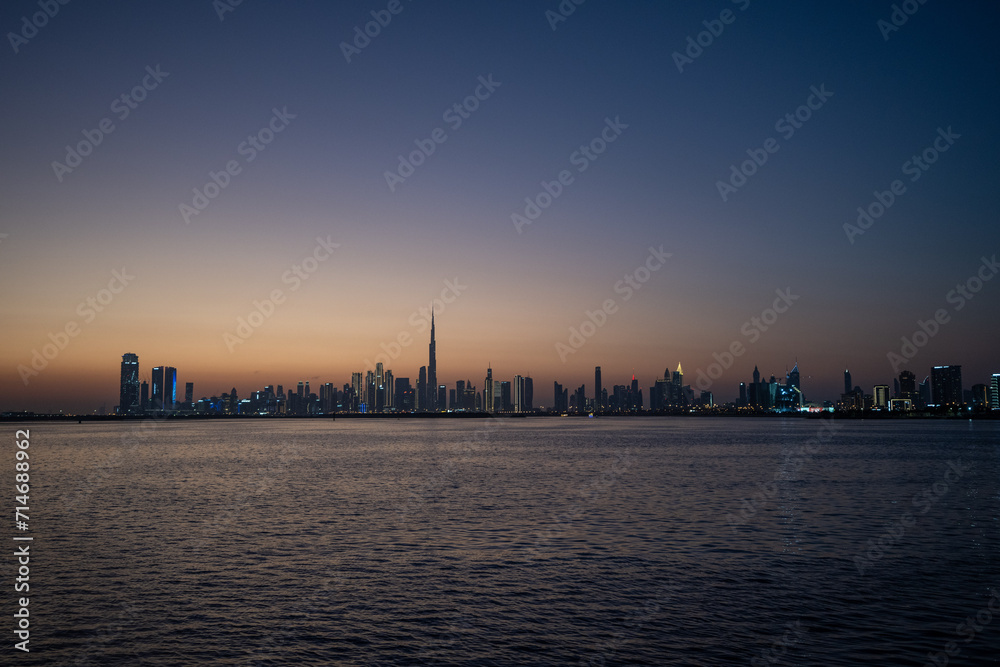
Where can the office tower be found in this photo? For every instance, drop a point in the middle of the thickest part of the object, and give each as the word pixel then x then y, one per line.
pixel 995 391
pixel 370 391
pixel 488 391
pixel 281 391
pixel 881 395
pixel 453 400
pixel 156 400
pixel 848 387
pixel 743 395
pixel 792 379
pixel 144 395
pixel 908 387
pixel 300 390
pixel 442 391
pixel 896 391
pixel 557 394
pixel 518 393
pixel 636 394
pixel 432 378
pixel 356 392
pixel 422 388
pixel 580 399
pixel 946 385
pixel 404 395
pixel 189 392
pixel 128 389
pixel 472 398
pixel 388 385
pixel 529 394
pixel 707 399
pixel 169 387
pixel 460 395
pixel 980 397
pixel 597 389
pixel 678 377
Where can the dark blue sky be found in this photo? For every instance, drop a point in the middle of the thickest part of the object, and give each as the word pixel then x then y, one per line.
pixel 655 185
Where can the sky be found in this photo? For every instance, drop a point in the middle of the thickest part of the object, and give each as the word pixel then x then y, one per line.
pixel 626 171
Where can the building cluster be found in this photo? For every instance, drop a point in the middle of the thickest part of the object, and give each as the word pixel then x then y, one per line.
pixel 379 391
pixel 941 390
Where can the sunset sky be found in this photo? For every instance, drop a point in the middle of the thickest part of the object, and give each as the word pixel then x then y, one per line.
pixel 336 127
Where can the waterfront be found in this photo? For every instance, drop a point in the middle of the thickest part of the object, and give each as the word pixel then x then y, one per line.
pixel 504 542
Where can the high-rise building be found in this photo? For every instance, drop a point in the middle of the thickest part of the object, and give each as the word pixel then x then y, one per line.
pixel 128 390
pixel 518 393
pixel 422 389
pixel 881 395
pixel 488 391
pixel 995 392
pixel 946 385
pixel 908 386
pixel 144 396
pixel 848 387
pixel 169 387
pixel 528 403
pixel 558 397
pixel 189 393
pixel 980 397
pixel 924 392
pixel 792 379
pixel 301 389
pixel 432 385
pixel 597 389
pixel 388 392
pixel 156 400
pixel 370 397
pixel 678 376
pixel 442 395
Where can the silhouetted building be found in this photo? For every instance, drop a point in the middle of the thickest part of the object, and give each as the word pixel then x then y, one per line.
pixel 188 393
pixel 848 386
pixel 946 385
pixel 434 401
pixel 128 390
pixel 529 394
pixel 489 390
pixel 156 399
pixel 144 395
pixel 598 406
pixel 169 387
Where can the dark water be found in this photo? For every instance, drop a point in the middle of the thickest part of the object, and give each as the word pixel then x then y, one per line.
pixel 516 542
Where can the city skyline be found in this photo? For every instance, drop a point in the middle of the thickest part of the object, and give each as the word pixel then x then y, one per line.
pixel 377 389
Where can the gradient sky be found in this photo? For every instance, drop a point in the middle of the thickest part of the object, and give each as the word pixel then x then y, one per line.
pixel 323 176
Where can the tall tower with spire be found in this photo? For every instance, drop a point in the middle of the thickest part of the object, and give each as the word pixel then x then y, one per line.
pixel 432 383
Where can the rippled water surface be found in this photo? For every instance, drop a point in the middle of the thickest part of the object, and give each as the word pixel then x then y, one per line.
pixel 551 541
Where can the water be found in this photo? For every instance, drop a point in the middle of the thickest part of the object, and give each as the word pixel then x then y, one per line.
pixel 516 542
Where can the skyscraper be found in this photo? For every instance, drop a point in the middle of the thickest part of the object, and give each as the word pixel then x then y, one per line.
pixel 597 389
pixel 189 392
pixel 519 393
pixel 144 396
pixel 169 387
pixel 432 378
pixel 908 386
pixel 128 391
pixel 881 395
pixel 422 388
pixel 156 400
pixel 529 395
pixel 946 385
pixel 678 377
pixel 995 392
pixel 489 390
pixel 848 387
